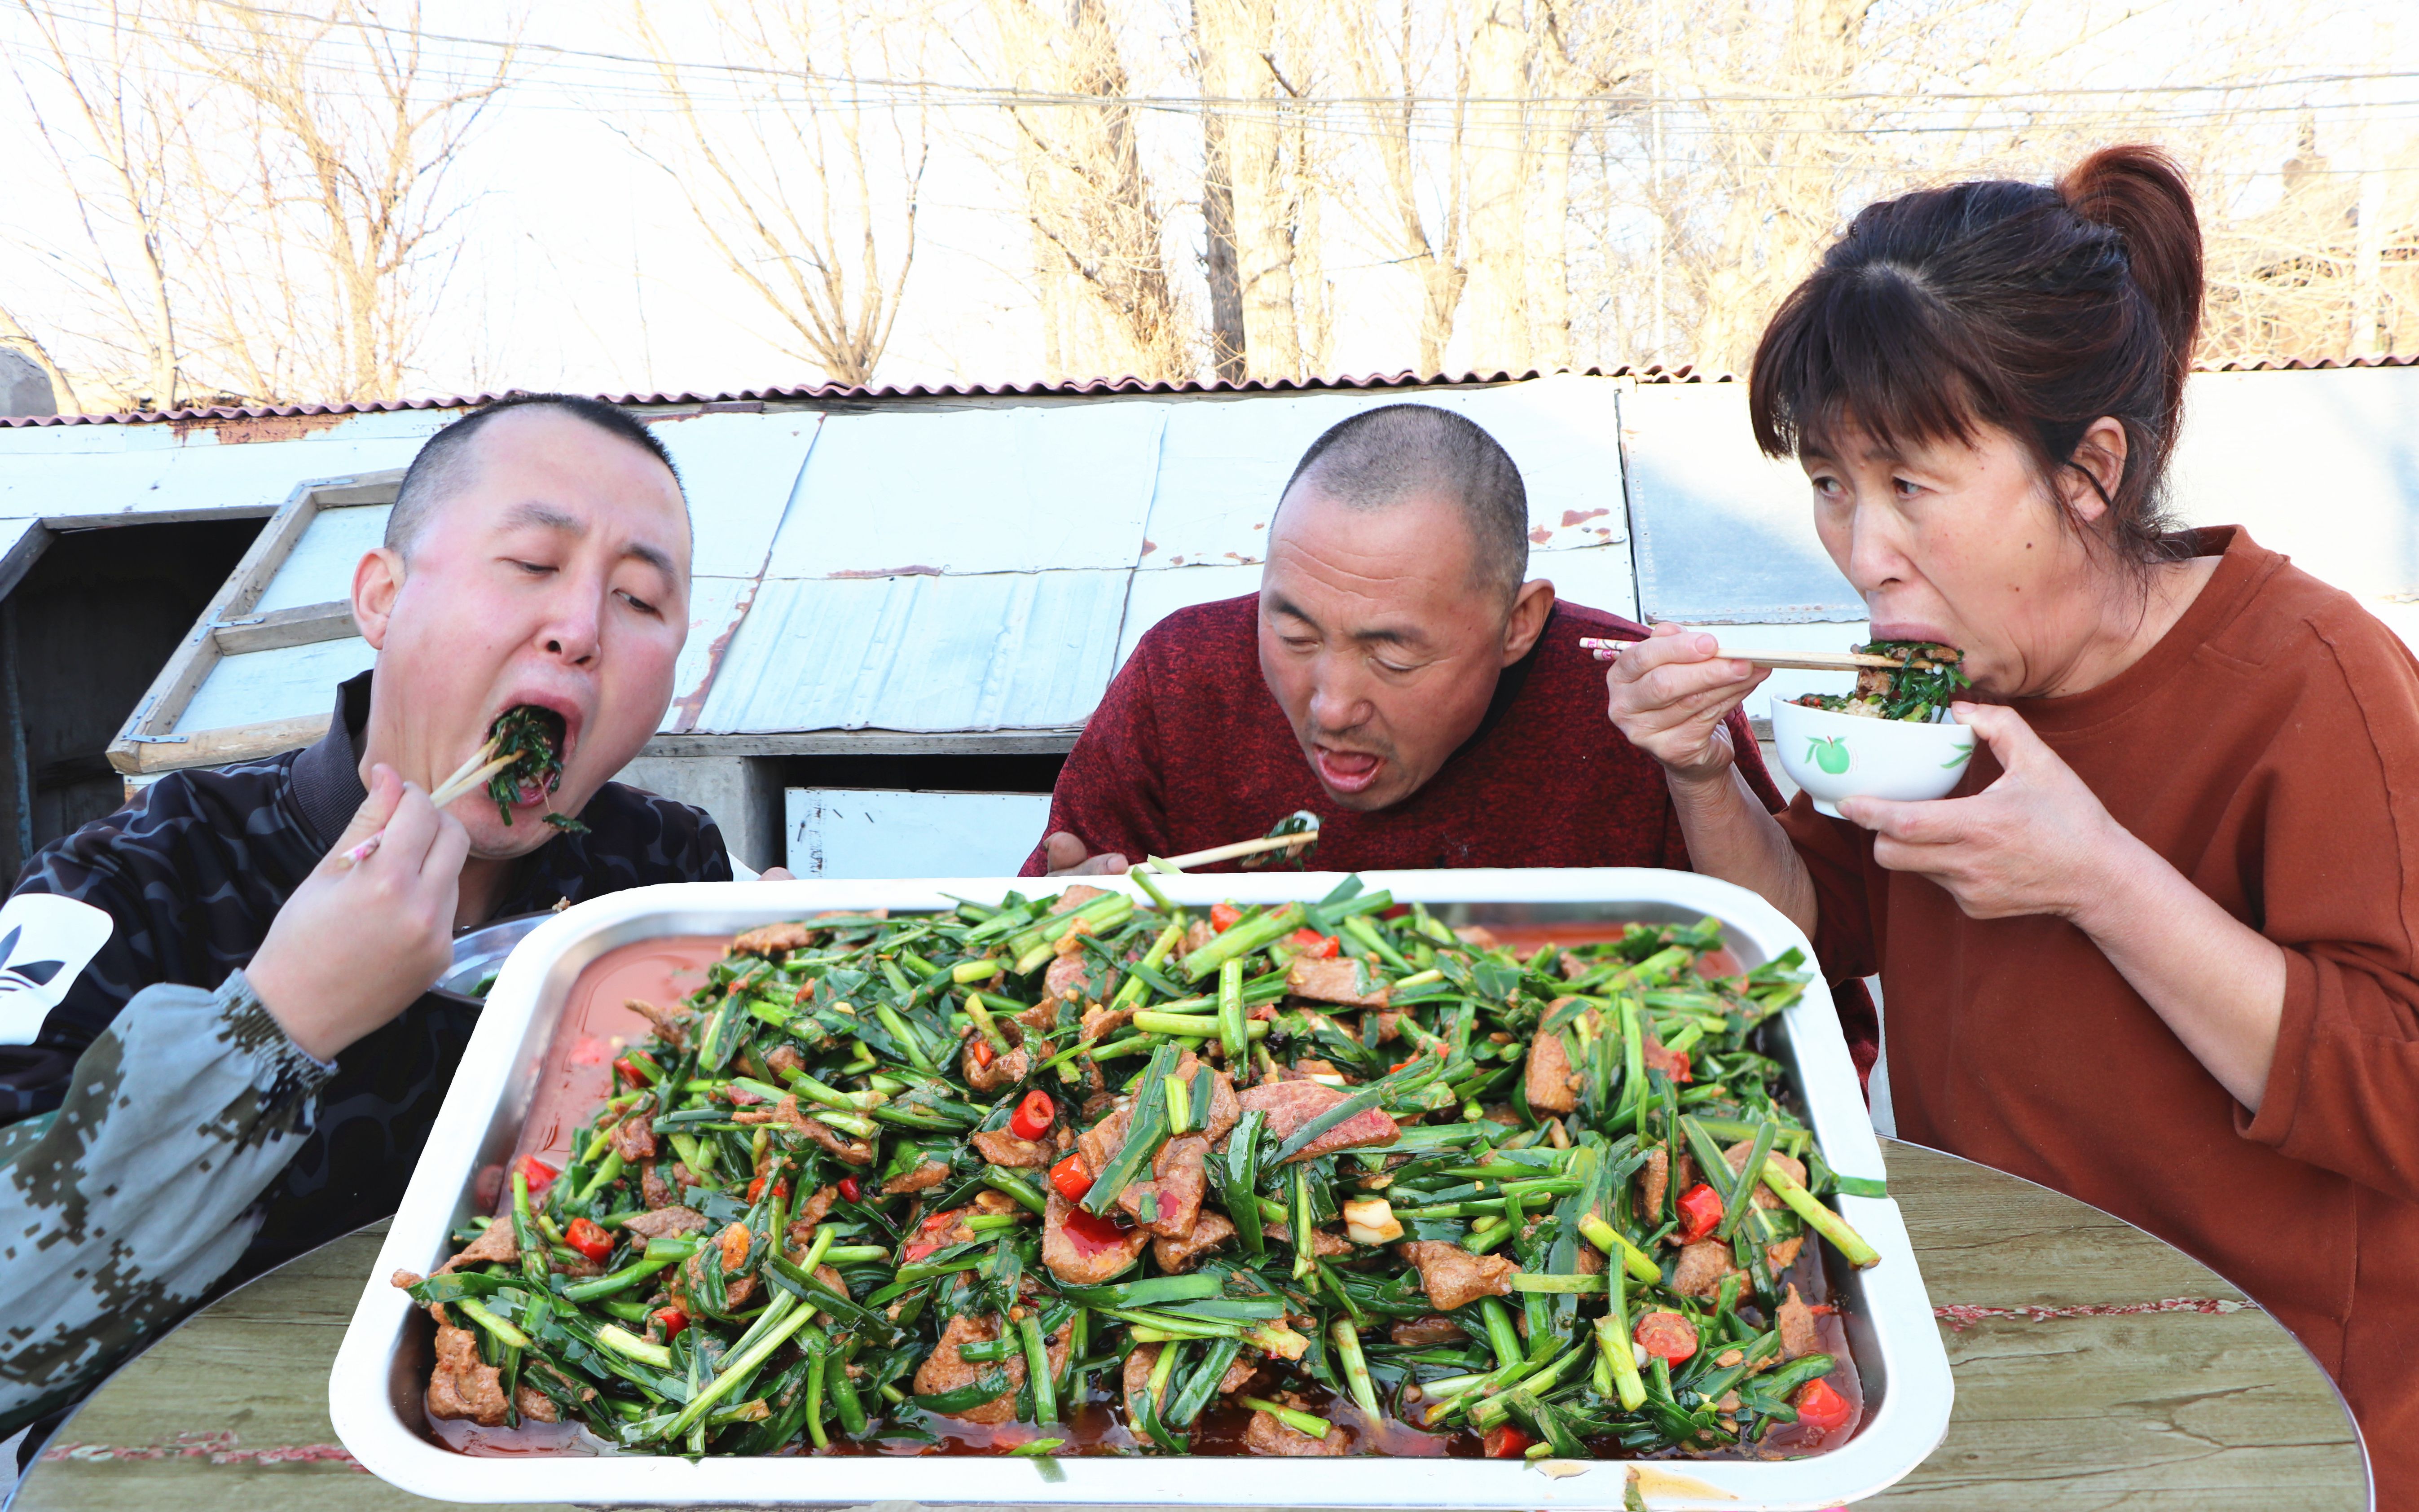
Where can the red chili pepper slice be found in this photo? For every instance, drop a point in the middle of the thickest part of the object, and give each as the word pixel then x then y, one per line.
pixel 1701 1209
pixel 1091 1234
pixel 1306 941
pixel 983 1052
pixel 932 1236
pixel 1505 1441
pixel 585 1236
pixel 674 1320
pixel 1819 1407
pixel 540 1174
pixel 1034 1116
pixel 1071 1179
pixel 1681 1076
pixel 755 1189
pixel 623 1070
pixel 849 1189
pixel 1223 916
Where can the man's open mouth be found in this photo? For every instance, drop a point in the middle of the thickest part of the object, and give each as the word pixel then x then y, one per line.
pixel 1346 771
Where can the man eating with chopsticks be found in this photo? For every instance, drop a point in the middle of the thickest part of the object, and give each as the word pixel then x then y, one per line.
pixel 1397 674
pixel 218 1041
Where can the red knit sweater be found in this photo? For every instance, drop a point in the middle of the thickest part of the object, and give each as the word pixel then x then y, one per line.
pixel 1190 750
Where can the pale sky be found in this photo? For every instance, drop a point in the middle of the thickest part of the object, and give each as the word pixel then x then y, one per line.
pixel 580 266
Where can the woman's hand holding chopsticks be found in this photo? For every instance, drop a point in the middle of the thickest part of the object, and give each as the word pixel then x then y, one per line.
pixel 360 940
pixel 1671 693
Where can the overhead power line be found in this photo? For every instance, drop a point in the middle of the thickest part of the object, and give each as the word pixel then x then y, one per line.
pixel 638 79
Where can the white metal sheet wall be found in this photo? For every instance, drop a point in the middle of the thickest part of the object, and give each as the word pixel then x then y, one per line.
pixel 857 832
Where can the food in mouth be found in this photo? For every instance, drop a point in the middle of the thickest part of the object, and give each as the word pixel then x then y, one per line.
pixel 1918 688
pixel 1326 1177
pixel 534 735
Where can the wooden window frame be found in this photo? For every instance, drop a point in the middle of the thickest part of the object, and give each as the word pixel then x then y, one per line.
pixel 150 742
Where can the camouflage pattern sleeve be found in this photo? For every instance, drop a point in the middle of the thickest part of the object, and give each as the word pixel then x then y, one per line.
pixel 119 1211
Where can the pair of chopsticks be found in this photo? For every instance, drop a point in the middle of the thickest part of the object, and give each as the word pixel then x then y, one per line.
pixel 467 778
pixel 1278 838
pixel 1810 661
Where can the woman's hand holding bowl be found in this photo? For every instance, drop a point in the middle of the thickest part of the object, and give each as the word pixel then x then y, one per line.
pixel 2035 841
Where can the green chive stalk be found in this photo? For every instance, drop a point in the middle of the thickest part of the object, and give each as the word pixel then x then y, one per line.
pixel 1499 1337
pixel 1230 1012
pixel 505 1334
pixel 1299 1421
pixel 1613 1337
pixel 1241 940
pixel 1743 1196
pixel 1037 1370
pixel 982 1016
pixel 1356 1368
pixel 630 1346
pixel 525 1235
pixel 1609 1240
pixel 1820 1218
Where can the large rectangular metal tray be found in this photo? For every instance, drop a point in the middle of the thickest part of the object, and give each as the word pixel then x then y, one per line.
pixel 374 1393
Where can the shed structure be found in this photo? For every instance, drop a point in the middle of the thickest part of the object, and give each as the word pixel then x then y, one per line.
pixel 902 598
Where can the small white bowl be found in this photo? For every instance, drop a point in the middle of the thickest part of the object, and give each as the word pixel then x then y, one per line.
pixel 1835 756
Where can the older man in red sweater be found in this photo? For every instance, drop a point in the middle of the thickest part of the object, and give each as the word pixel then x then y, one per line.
pixel 1397 674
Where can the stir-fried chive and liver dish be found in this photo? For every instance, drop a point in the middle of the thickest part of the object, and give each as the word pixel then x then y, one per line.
pixel 1300 1180
pixel 1926 678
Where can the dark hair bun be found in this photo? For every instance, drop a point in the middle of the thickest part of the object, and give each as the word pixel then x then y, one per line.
pixel 2139 192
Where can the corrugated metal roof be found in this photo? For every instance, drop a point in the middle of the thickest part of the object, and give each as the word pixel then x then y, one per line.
pixel 1028 488
pixel 744 400
pixel 992 651
pixel 986 568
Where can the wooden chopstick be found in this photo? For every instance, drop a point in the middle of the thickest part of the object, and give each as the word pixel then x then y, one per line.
pixel 1811 661
pixel 467 778
pixel 462 782
pixel 1227 853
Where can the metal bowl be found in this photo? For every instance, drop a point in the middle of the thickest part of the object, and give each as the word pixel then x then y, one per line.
pixel 479 954
pixel 376 1392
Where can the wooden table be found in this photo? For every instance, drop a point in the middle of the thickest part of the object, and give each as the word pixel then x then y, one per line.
pixel 2096 1367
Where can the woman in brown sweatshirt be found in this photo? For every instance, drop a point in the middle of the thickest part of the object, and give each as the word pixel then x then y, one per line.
pixel 2157 948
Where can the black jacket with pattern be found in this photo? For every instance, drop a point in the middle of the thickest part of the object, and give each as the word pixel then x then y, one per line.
pixel 192 873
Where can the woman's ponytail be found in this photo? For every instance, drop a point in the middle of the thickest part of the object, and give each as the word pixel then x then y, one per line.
pixel 2139 192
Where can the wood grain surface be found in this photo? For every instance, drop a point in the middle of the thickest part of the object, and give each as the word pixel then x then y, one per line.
pixel 2096 1367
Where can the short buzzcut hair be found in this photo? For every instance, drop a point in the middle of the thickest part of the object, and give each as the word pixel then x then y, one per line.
pixel 1396 453
pixel 444 461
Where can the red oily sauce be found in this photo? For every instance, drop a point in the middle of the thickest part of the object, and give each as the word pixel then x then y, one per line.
pixel 578 1072
pixel 576 1075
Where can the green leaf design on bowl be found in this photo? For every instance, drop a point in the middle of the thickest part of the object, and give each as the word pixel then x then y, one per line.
pixel 1964 753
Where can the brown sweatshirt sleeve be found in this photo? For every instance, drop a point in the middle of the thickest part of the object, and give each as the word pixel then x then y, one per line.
pixel 1849 890
pixel 2337 860
pixel 1749 757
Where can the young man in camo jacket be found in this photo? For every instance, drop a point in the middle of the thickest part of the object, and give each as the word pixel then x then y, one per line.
pixel 218 1046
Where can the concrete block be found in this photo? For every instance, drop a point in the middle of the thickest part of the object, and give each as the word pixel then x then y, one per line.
pixel 24 388
pixel 742 792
